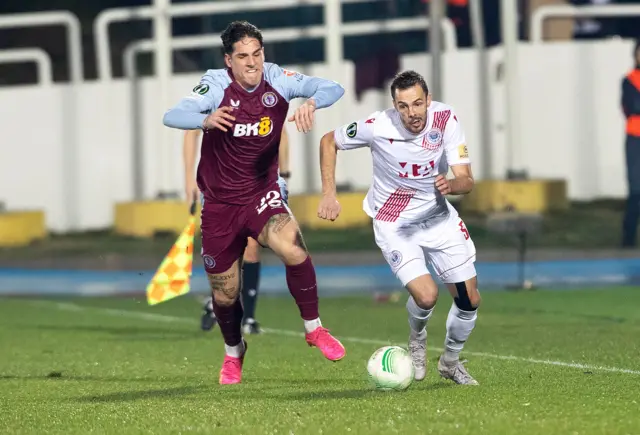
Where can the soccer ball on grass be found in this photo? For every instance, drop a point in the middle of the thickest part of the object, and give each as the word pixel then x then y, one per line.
pixel 390 368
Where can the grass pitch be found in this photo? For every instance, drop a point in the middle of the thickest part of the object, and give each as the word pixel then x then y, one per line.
pixel 563 362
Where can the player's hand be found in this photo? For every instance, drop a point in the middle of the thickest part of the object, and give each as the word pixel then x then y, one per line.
pixel 442 184
pixel 191 190
pixel 304 116
pixel 220 119
pixel 329 208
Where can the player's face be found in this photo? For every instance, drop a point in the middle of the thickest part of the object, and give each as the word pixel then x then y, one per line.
pixel 412 104
pixel 246 62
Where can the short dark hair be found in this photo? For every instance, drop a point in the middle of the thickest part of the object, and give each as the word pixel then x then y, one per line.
pixel 406 80
pixel 236 31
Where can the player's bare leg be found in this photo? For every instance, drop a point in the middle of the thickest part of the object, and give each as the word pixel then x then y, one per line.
pixel 460 322
pixel 423 297
pixel 225 288
pixel 282 235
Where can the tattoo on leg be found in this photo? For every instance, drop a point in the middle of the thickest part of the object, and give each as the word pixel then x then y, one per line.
pixel 276 223
pixel 281 221
pixel 220 285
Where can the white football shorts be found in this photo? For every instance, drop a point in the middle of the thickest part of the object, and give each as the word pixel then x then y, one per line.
pixel 446 246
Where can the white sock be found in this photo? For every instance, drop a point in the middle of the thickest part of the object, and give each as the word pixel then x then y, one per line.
pixel 312 325
pixel 459 326
pixel 208 303
pixel 235 351
pixel 418 318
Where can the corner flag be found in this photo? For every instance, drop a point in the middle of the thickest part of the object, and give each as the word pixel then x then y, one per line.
pixel 173 277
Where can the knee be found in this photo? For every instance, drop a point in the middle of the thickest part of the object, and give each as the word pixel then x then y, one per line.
pixel 225 287
pixel 424 291
pixel 426 300
pixel 426 294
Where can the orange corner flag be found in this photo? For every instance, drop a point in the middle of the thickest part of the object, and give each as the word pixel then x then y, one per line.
pixel 173 277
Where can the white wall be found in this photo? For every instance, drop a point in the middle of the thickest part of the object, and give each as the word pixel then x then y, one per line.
pixel 572 128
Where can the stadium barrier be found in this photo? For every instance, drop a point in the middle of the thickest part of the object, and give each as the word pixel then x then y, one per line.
pixel 332 280
pixel 146 218
pixel 20 228
pixel 305 209
pixel 529 196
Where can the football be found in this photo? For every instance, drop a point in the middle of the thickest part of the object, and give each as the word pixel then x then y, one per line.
pixel 390 368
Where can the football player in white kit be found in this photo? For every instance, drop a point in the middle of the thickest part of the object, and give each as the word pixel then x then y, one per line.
pixel 413 145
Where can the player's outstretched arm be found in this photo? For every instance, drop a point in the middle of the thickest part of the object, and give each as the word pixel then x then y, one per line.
pixel 329 207
pixel 348 137
pixel 461 183
pixel 320 93
pixel 455 148
pixel 324 92
pixel 189 151
pixel 195 110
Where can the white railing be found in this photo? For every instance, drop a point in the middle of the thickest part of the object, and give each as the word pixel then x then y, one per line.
pixel 65 18
pixel 543 13
pixel 70 180
pixel 37 55
pixel 110 16
pixel 279 35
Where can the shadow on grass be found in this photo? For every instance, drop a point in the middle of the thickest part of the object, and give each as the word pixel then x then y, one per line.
pixel 59 376
pixel 127 332
pixel 363 391
pixel 130 396
pixel 210 391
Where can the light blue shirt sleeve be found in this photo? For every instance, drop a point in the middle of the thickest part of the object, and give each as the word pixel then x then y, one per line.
pixel 191 111
pixel 291 84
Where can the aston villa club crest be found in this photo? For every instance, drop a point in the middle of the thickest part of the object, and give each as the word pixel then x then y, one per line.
pixel 269 99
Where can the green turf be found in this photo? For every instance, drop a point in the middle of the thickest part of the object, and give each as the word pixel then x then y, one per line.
pixel 84 366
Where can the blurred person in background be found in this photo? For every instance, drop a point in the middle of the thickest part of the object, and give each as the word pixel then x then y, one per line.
pixel 458 12
pixel 250 282
pixel 631 109
pixel 594 27
pixel 629 26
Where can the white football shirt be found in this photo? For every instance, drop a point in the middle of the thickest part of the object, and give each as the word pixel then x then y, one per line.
pixel 405 164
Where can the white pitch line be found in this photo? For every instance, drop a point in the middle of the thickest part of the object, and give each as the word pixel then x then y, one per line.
pixel 285 332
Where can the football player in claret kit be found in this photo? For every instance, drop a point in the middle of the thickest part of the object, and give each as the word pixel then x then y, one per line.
pixel 242 110
pixel 413 145
pixel 250 276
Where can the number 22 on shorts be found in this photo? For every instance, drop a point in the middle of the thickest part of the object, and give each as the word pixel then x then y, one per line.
pixel 271 199
pixel 464 230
